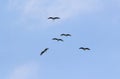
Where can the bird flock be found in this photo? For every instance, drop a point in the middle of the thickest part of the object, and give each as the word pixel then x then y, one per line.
pixel 59 39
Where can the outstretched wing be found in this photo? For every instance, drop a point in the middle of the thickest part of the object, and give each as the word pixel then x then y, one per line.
pixel 87 48
pixel 50 17
pixel 60 40
pixel 68 34
pixel 62 35
pixel 81 48
pixel 55 39
pixel 57 17
pixel 41 52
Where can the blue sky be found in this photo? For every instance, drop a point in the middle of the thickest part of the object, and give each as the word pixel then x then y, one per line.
pixel 25 31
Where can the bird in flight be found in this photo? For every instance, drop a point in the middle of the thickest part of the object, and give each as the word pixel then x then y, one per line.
pixel 84 48
pixel 44 51
pixel 65 35
pixel 57 39
pixel 53 18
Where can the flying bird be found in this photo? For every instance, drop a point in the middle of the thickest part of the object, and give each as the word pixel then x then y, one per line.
pixel 84 48
pixel 53 18
pixel 65 35
pixel 57 39
pixel 44 51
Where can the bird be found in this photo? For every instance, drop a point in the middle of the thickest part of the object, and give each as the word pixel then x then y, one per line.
pixel 53 18
pixel 57 39
pixel 65 35
pixel 44 51
pixel 84 48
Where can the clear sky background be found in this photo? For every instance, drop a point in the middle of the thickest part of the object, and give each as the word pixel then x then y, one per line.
pixel 25 31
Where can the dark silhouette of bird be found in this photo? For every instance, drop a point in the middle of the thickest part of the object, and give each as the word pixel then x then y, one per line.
pixel 65 35
pixel 44 51
pixel 57 39
pixel 53 18
pixel 84 48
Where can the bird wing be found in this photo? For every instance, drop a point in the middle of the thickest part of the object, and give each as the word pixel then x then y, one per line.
pixel 87 48
pixel 42 52
pixel 46 49
pixel 60 40
pixel 57 17
pixel 54 39
pixel 50 18
pixel 62 35
pixel 81 48
pixel 68 35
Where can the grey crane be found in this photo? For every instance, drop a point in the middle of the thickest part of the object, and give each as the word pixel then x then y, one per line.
pixel 44 51
pixel 53 18
pixel 83 48
pixel 57 39
pixel 65 34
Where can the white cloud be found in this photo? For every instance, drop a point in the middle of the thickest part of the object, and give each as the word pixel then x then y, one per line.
pixel 25 71
pixel 64 8
pixel 41 9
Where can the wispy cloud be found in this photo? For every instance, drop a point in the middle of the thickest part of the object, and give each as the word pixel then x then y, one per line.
pixel 41 9
pixel 25 71
pixel 64 8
